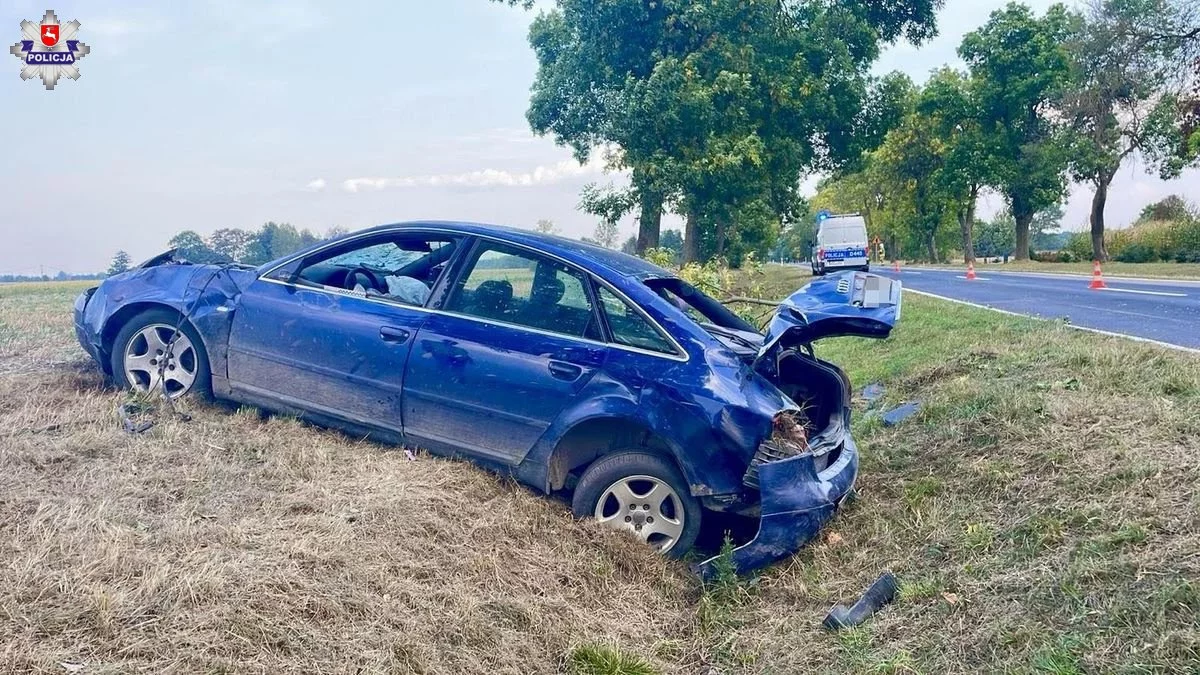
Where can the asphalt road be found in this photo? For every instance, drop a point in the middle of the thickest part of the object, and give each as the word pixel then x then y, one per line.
pixel 1162 310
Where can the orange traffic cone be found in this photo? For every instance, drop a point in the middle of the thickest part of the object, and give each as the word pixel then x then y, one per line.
pixel 1097 277
pixel 971 271
pixel 896 266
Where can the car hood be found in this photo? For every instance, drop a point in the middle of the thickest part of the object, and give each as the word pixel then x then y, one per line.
pixel 849 303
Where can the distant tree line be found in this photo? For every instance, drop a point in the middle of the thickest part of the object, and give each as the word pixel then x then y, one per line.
pixel 59 276
pixel 230 244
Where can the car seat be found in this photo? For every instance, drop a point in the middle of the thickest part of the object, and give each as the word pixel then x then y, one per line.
pixel 491 299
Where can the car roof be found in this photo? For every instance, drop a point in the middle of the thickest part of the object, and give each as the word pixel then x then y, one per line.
pixel 589 256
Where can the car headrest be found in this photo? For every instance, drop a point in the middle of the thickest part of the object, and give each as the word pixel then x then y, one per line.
pixel 547 290
pixel 493 294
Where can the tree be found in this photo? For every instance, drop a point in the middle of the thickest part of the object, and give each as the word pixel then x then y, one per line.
pixel 1043 230
pixel 120 263
pixel 1128 60
pixel 230 243
pixel 996 237
pixel 546 226
pixel 950 104
pixel 717 108
pixel 606 233
pixel 1019 67
pixel 336 231
pixel 274 240
pixel 191 246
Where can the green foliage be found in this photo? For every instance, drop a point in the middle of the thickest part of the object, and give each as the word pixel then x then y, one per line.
pixel 719 108
pixel 995 238
pixel 662 257
pixel 1019 68
pixel 1170 208
pixel 599 659
pixel 120 263
pixel 1123 98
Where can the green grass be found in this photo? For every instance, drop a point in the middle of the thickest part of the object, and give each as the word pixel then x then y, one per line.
pixel 606 660
pixel 1040 511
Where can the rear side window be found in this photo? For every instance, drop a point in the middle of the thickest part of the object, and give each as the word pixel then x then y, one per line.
pixel 519 287
pixel 629 327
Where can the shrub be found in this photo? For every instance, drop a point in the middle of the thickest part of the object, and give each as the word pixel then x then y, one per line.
pixel 1137 253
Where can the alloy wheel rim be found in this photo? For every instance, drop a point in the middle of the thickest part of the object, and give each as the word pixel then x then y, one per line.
pixel 159 359
pixel 646 506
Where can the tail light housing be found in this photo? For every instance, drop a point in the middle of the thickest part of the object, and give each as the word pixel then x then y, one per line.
pixel 821 253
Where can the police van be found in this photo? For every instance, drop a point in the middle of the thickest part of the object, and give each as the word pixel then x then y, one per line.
pixel 841 243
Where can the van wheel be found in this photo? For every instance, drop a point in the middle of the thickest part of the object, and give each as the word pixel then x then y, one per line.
pixel 642 494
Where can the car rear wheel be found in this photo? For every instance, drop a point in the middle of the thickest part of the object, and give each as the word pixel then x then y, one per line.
pixel 643 494
pixel 148 355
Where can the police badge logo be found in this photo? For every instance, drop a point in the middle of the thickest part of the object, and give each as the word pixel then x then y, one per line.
pixel 49 50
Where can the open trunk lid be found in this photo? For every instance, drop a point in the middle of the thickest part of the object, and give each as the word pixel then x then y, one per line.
pixel 849 303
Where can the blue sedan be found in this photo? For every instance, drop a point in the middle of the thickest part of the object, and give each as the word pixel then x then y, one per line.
pixel 566 365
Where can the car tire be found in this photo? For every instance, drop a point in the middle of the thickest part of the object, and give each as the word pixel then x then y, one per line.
pixel 664 514
pixel 141 343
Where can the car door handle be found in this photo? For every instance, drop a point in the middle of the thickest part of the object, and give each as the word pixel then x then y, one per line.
pixel 565 371
pixel 393 334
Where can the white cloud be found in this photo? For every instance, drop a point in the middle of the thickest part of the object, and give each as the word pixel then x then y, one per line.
pixel 542 175
pixel 315 185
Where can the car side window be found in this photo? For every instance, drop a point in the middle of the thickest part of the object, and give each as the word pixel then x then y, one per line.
pixel 514 286
pixel 401 268
pixel 629 327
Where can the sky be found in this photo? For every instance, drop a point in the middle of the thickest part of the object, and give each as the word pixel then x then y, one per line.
pixel 216 113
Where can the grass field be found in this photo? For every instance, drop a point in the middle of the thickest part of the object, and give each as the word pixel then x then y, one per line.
pixel 1041 512
pixel 1166 270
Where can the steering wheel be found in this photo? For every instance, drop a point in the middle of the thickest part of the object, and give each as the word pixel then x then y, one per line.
pixel 367 278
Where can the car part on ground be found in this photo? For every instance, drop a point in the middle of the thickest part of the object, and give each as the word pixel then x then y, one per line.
pixel 880 594
pixel 900 413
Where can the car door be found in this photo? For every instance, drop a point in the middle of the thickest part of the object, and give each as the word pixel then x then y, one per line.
pixel 516 341
pixel 326 334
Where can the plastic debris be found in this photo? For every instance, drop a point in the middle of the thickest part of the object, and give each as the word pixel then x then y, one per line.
pixel 900 413
pixel 873 391
pixel 880 594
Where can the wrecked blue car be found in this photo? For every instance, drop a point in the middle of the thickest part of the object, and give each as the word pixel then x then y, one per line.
pixel 569 366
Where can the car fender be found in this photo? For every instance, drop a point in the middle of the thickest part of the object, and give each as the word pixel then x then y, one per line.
pixel 177 287
pixel 709 466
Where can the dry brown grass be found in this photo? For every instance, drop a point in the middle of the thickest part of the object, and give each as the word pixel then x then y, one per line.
pixel 1041 511
pixel 236 543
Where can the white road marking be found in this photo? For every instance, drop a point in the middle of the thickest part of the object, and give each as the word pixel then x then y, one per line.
pixel 1135 338
pixel 1130 290
pixel 963 276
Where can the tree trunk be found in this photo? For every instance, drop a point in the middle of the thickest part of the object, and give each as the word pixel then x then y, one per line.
pixel 1023 221
pixel 931 242
pixel 691 239
pixel 1099 252
pixel 722 228
pixel 966 222
pixel 649 221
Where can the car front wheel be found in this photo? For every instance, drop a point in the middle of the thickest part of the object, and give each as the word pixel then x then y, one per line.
pixel 149 355
pixel 643 494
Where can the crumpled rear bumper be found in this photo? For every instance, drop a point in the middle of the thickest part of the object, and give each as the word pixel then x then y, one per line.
pixel 796 502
